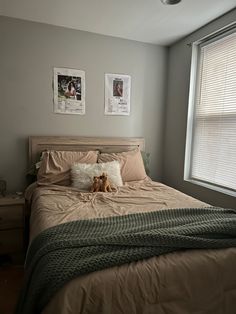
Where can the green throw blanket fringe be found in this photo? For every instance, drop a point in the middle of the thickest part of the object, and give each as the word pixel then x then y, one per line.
pixel 66 251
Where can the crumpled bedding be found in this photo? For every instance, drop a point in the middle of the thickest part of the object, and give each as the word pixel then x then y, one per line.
pixel 193 281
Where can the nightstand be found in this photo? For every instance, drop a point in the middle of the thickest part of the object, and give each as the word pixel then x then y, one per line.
pixel 12 228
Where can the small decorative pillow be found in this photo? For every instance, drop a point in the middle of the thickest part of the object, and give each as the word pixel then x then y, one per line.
pixel 146 161
pixel 131 164
pixel 55 165
pixel 82 174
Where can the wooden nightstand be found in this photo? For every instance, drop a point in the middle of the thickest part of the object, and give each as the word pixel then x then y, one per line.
pixel 12 228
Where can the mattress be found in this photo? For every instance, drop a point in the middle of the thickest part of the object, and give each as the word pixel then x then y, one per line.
pixel 187 281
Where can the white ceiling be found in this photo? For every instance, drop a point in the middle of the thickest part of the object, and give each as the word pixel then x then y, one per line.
pixel 142 20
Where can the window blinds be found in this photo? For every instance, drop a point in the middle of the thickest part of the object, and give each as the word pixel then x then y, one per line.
pixel 213 155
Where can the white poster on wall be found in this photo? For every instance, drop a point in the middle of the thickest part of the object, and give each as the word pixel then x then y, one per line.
pixel 117 94
pixel 69 91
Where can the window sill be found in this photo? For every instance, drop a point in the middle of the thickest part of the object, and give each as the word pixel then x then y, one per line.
pixel 211 186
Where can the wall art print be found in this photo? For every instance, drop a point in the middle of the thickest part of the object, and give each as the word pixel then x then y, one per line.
pixel 117 94
pixel 69 91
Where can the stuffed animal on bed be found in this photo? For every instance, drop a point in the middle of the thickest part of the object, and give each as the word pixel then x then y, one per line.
pixel 96 184
pixel 105 184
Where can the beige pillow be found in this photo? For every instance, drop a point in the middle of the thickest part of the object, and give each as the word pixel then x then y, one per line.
pixel 131 164
pixel 55 166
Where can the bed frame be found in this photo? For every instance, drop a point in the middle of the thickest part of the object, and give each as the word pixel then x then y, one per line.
pixel 37 144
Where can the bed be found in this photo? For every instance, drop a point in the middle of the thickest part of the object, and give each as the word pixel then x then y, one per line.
pixel 196 275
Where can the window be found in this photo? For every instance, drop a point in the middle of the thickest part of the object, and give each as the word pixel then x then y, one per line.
pixel 210 156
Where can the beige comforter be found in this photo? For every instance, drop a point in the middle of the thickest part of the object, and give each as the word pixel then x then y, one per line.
pixel 193 281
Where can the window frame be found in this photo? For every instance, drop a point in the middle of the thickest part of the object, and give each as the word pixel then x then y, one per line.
pixel 193 89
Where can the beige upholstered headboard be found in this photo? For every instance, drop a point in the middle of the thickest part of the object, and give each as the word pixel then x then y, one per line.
pixel 38 144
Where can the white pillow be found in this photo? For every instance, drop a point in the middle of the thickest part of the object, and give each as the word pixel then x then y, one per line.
pixel 82 174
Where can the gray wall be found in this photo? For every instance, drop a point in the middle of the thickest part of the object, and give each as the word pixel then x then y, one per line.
pixel 29 51
pixel 176 116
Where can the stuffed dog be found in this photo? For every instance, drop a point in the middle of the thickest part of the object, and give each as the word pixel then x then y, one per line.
pixel 105 184
pixel 96 184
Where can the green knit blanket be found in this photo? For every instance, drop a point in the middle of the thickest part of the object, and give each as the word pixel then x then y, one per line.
pixel 66 251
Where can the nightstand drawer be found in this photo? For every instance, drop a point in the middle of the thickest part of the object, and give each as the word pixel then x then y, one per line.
pixel 11 217
pixel 11 241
